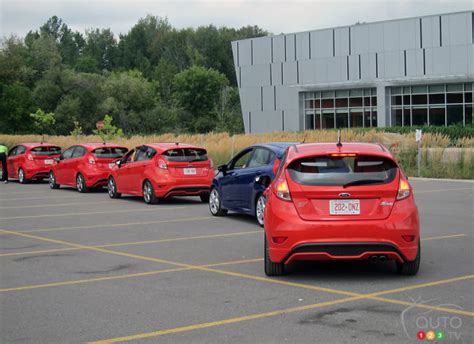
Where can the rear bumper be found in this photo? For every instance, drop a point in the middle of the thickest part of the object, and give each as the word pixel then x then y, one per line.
pixel 339 240
pixel 170 186
pixel 36 171
pixel 96 179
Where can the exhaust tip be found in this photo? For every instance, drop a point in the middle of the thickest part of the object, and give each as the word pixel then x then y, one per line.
pixel 373 258
pixel 383 258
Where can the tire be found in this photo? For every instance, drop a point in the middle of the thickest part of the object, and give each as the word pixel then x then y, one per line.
pixel 260 208
pixel 148 193
pixel 204 197
pixel 112 188
pixel 215 204
pixel 21 176
pixel 410 268
pixel 271 268
pixel 52 181
pixel 81 184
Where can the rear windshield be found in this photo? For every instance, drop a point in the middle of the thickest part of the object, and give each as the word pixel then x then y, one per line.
pixel 46 150
pixel 109 152
pixel 342 171
pixel 185 155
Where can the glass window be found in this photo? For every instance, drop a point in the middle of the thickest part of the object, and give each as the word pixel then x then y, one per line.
pixel 419 99
pixel 12 151
pixel 355 102
pixel 454 98
pixel 406 100
pixel 468 87
pixel 366 101
pixel 367 123
pixel 420 117
pixel 469 114
pixel 342 93
pixel 317 103
pixel 437 116
pixel 356 119
pixel 261 157
pixel 327 103
pixel 396 90
pixel 185 154
pixel 406 90
pixel 418 89
pixel 406 117
pixel 20 150
pixel 241 161
pixel 68 153
pixel 374 118
pixel 454 87
pixel 342 120
pixel 455 114
pixel 109 152
pixel 374 101
pixel 46 150
pixel 317 120
pixel 468 97
pixel 436 88
pixel 327 94
pixel 437 98
pixel 397 117
pixel 356 93
pixel 78 152
pixel 397 100
pixel 309 121
pixel 341 102
pixel 309 104
pixel 328 120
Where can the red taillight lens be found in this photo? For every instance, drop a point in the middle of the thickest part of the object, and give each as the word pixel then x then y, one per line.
pixel 408 238
pixel 281 189
pixel 403 189
pixel 29 157
pixel 91 161
pixel 162 164
pixel 279 240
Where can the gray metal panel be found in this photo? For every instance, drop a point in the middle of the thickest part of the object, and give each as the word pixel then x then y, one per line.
pixel 322 69
pixel 470 50
pixel 307 72
pixel 290 48
pixel 250 99
pixel 267 121
pixel 354 67
pixel 289 73
pixel 391 36
pixel 376 35
pixel 262 50
pixel 336 69
pixel 456 29
pixel 430 32
pixel 391 64
pixel 359 39
pixel 302 46
pixel 234 52
pixel 458 59
pixel 276 73
pixel 292 120
pixel 414 60
pixel 268 98
pixel 258 75
pixel 367 64
pixel 437 61
pixel 279 48
pixel 341 41
pixel 286 98
pixel 245 57
pixel 321 43
pixel 409 34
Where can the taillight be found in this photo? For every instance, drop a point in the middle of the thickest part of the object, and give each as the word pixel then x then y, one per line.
pixel 91 161
pixel 29 157
pixel 162 164
pixel 281 189
pixel 403 189
pixel 342 154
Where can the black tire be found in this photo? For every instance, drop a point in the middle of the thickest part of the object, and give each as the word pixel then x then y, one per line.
pixel 215 204
pixel 149 193
pixel 271 268
pixel 410 268
pixel 204 197
pixel 21 176
pixel 81 184
pixel 112 188
pixel 260 202
pixel 52 181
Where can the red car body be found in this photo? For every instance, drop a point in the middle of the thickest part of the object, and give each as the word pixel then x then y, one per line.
pixel 85 165
pixel 163 170
pixel 311 215
pixel 28 161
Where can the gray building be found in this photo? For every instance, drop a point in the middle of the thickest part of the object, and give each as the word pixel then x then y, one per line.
pixel 406 72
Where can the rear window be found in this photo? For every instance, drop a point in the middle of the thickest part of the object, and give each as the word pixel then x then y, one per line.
pixel 185 155
pixel 342 171
pixel 46 150
pixel 109 152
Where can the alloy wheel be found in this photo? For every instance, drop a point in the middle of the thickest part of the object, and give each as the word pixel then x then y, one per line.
pixel 214 202
pixel 260 209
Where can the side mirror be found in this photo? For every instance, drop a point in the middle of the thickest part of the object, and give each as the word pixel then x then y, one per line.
pixel 276 164
pixel 118 163
pixel 222 168
pixel 58 159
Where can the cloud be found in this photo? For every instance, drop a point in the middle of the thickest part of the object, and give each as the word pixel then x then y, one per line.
pixel 20 16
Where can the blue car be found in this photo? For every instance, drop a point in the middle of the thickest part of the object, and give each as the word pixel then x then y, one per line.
pixel 239 185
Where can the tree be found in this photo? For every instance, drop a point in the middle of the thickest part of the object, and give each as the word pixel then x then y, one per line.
pixel 108 131
pixel 197 93
pixel 42 121
pixel 102 47
pixel 15 104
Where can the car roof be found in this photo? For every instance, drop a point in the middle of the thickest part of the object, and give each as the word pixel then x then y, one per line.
pixel 36 144
pixel 308 149
pixel 278 147
pixel 164 146
pixel 94 145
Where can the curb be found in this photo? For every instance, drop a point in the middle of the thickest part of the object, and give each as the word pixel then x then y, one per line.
pixel 470 181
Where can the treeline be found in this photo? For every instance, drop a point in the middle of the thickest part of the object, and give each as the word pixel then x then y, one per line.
pixel 154 79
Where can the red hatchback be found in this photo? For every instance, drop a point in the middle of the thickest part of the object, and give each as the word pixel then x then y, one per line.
pixel 336 202
pixel 161 170
pixel 28 161
pixel 85 165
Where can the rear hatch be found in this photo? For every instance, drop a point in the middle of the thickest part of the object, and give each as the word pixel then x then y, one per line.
pixel 187 162
pixel 104 157
pixel 348 187
pixel 44 155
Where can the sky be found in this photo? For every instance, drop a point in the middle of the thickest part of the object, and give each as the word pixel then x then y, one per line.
pixel 20 16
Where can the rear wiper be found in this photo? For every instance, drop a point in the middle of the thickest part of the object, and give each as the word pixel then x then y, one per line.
pixel 362 182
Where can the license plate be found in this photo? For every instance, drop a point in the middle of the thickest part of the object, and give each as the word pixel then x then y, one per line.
pixel 112 164
pixel 189 171
pixel 48 162
pixel 344 207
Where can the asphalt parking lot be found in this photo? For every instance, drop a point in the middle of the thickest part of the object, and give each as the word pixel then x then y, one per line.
pixel 80 268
